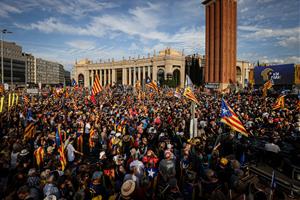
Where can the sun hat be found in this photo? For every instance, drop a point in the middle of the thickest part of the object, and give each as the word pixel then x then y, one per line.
pixel 127 189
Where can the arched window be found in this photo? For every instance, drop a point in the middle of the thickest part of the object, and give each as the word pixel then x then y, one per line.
pixel 81 80
pixel 161 76
pixel 176 77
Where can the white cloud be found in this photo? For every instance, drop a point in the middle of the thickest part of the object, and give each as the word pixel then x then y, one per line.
pixel 292 41
pixel 281 60
pixel 285 37
pixel 7 9
pixel 293 59
pixel 53 25
pixel 141 22
pixel 244 10
pixel 81 44
pixel 71 8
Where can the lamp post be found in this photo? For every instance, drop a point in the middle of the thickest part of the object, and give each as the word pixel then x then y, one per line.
pixel 3 31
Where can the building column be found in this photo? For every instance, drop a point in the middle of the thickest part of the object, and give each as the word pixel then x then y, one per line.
pixel 113 76
pixel 144 74
pixel 182 75
pixel 134 75
pixel 124 76
pixel 149 71
pixel 11 73
pixel 109 76
pixel 100 77
pixel 86 75
pixel 139 74
pixel 105 77
pixel 130 76
pixel 93 77
pixel 212 43
pixel 154 73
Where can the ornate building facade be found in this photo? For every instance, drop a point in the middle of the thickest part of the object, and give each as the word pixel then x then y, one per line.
pixel 169 64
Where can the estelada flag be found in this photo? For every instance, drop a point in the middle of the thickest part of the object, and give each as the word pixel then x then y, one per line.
pixel 61 149
pixel 229 117
pixel 188 93
pixel 279 104
pixel 152 85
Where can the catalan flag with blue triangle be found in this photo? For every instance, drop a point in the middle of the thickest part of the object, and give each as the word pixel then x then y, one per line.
pixel 229 117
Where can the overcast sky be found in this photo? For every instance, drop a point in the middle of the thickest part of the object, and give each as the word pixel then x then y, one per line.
pixel 66 30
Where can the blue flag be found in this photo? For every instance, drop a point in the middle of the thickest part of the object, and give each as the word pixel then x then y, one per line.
pixel 74 82
pixel 57 138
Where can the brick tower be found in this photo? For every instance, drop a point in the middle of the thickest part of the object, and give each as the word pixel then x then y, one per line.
pixel 220 42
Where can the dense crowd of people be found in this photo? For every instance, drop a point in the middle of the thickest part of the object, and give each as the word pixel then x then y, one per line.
pixel 131 146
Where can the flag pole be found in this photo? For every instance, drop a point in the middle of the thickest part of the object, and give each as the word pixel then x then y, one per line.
pixel 192 132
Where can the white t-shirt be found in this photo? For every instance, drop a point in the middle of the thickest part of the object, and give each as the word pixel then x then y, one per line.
pixel 87 128
pixel 71 154
pixel 272 147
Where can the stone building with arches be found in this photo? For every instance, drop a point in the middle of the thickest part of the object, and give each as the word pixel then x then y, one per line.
pixel 167 65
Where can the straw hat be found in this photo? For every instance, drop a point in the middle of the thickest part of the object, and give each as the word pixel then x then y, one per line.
pixel 127 189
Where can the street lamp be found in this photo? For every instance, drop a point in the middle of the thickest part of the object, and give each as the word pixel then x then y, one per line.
pixel 3 31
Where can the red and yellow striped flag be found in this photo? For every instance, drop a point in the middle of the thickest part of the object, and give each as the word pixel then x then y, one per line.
pixel 188 93
pixel 268 85
pixel 298 105
pixel 96 88
pixel 152 85
pixel 1 103
pixel 62 156
pixel 39 156
pixel 29 131
pixel 279 103
pixel 91 142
